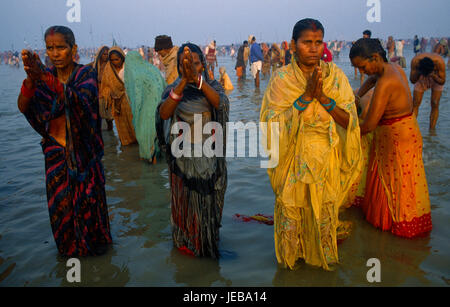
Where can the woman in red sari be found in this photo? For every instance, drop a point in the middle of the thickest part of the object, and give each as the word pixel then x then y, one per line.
pixel 61 104
pixel 396 197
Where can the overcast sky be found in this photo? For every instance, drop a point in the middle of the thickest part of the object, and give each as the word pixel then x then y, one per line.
pixel 137 22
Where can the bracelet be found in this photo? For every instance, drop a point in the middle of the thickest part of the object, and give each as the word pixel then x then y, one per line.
pixel 332 104
pixel 200 82
pixel 175 97
pixel 299 107
pixel 26 92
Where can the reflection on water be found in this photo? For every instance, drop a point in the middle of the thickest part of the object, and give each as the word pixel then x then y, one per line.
pixel 138 198
pixel 196 272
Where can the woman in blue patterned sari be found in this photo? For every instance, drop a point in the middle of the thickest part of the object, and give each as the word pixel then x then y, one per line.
pixel 61 104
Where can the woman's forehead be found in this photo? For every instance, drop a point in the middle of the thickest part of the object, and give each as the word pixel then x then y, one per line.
pixel 310 34
pixel 55 38
pixel 114 55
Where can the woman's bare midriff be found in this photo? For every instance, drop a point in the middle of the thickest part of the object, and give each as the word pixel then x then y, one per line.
pixel 57 129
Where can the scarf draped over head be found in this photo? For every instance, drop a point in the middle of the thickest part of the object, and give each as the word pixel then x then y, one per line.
pixel 112 85
pixel 170 64
pixel 98 56
pixel 194 102
pixel 297 161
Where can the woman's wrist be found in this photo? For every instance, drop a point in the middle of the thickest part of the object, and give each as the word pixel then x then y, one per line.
pixel 307 97
pixel 182 85
pixel 175 97
pixel 328 103
pixel 324 100
pixel 301 103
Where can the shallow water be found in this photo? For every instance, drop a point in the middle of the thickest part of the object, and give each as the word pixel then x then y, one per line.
pixel 139 205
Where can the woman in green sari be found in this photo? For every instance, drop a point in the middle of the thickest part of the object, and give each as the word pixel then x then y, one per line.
pixel 144 86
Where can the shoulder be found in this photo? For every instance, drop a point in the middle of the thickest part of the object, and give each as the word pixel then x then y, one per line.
pixel 391 78
pixel 85 69
pixel 279 77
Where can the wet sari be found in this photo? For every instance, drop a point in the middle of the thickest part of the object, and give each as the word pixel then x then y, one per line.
pixel 197 184
pixel 75 178
pixel 105 110
pixel 396 197
pixel 318 161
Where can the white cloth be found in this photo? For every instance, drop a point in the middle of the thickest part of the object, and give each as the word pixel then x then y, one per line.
pixel 121 73
pixel 256 66
pixel 399 48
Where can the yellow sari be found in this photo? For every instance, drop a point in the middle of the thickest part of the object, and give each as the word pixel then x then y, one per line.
pixel 170 64
pixel 318 163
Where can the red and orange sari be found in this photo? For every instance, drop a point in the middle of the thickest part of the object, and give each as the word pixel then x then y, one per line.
pixel 396 197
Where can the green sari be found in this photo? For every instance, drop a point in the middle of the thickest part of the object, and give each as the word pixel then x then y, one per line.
pixel 144 86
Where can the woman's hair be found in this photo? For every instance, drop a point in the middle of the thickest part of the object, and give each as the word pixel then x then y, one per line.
pixel 120 55
pixel 306 24
pixel 195 49
pixel 366 47
pixel 64 31
pixel 426 66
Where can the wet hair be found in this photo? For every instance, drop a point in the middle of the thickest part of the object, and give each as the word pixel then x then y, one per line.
pixel 366 47
pixel 367 32
pixel 68 35
pixel 195 49
pixel 306 24
pixel 426 66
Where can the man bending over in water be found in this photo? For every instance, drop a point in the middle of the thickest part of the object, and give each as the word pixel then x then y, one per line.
pixel 428 72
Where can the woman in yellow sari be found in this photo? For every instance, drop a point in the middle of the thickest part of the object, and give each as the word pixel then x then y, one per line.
pixel 113 89
pixel 319 155
pixel 101 59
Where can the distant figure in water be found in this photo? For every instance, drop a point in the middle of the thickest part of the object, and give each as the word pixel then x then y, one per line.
pixel 428 72
pixel 61 104
pixel 240 62
pixel 225 79
pixel 113 91
pixel 100 62
pixel 396 191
